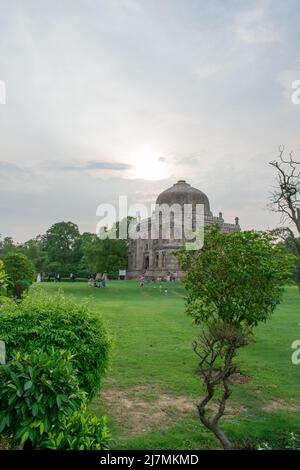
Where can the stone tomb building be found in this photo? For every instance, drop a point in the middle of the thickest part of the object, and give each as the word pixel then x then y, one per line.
pixel 154 257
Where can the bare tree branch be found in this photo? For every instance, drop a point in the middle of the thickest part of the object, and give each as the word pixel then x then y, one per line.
pixel 216 348
pixel 285 197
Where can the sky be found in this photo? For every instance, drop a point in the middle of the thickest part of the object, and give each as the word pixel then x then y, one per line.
pixel 125 97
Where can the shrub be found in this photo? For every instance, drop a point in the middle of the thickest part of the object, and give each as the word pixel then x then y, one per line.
pixel 20 272
pixel 41 321
pixel 233 284
pixel 81 431
pixel 36 392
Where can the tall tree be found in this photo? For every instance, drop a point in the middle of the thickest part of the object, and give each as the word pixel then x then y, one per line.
pixel 285 197
pixel 34 250
pixel 61 242
pixel 7 245
pixel 232 285
pixel 106 255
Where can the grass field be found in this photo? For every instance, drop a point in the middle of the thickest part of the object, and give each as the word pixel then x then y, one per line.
pixel 150 391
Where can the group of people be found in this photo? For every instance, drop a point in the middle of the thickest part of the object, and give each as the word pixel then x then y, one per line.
pixel 97 279
pixel 170 277
pixel 56 277
pixel 41 277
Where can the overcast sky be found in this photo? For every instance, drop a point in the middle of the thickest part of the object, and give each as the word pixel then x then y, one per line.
pixel 124 97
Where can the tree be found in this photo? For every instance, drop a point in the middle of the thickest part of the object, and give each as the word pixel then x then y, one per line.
pixel 34 250
pixel 20 272
pixel 62 242
pixel 291 243
pixel 7 245
pixel 106 255
pixel 285 197
pixel 233 284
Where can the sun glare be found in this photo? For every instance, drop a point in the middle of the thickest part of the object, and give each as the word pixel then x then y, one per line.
pixel 149 165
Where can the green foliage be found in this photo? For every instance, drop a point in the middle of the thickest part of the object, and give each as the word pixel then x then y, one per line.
pixel 63 249
pixel 62 242
pixel 42 322
pixel 34 250
pixel 292 443
pixel 161 359
pixel 3 283
pixel 235 278
pixel 36 392
pixel 7 245
pixel 292 245
pixel 106 254
pixel 20 272
pixel 80 431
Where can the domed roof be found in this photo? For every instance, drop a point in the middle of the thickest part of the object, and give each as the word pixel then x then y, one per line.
pixel 183 193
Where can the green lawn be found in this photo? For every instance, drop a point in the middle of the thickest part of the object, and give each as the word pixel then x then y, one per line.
pixel 150 391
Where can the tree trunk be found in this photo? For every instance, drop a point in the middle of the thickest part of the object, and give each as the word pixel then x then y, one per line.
pixel 220 435
pixel 214 428
pixel 227 445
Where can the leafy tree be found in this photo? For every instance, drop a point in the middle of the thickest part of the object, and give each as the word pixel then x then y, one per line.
pixel 7 245
pixel 61 242
pixel 233 284
pixel 34 250
pixel 106 255
pixel 292 244
pixel 20 272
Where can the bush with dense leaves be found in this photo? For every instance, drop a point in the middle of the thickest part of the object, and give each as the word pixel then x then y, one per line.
pixel 20 272
pixel 41 322
pixel 36 392
pixel 42 405
pixel 80 431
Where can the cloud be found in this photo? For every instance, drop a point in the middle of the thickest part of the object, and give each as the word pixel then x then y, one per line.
pixel 92 83
pixel 10 168
pixel 98 165
pixel 254 24
pixel 90 165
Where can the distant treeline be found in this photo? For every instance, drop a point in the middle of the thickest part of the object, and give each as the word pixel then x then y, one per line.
pixel 63 249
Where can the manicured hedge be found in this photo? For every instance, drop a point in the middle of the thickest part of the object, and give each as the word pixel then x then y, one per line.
pixel 42 321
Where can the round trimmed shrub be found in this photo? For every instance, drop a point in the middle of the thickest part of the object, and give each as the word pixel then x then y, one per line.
pixel 43 321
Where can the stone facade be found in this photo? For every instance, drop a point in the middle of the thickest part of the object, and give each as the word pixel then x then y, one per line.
pixel 154 257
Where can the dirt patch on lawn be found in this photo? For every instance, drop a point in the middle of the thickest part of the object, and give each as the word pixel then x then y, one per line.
pixel 142 409
pixel 238 378
pixel 280 405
